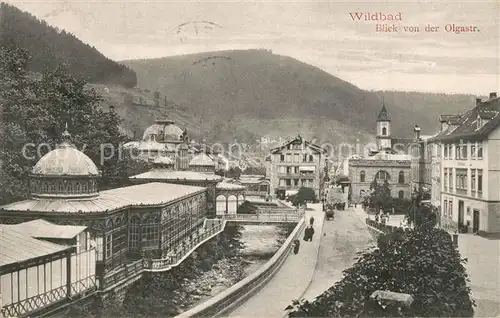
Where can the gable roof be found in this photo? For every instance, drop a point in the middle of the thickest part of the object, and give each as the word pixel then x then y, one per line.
pixel 466 127
pixel 17 245
pixel 44 229
pixel 306 143
pixel 452 119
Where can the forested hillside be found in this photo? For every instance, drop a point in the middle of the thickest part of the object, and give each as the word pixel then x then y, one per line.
pixel 49 46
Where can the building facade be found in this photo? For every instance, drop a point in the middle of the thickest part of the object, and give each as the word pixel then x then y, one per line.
pixel 388 162
pixel 294 164
pixel 145 221
pixel 470 169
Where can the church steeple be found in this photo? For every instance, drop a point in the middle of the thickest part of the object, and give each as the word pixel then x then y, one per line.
pixel 384 140
pixel 383 115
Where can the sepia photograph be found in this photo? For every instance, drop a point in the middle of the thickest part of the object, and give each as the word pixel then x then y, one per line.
pixel 244 158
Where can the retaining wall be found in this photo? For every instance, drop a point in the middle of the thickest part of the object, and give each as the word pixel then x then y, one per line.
pixel 235 295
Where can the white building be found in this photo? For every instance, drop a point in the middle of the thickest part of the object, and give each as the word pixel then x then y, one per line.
pixel 470 169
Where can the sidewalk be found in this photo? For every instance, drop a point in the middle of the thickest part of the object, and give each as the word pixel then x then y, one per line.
pixel 292 279
pixel 483 266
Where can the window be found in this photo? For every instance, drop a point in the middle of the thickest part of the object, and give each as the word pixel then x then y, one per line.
pixel 282 158
pixel 282 169
pixel 311 158
pixel 151 232
pixel 362 176
pixel 445 204
pixel 451 177
pixel 464 152
pixel 382 175
pixel 446 178
pixel 401 194
pixel 480 180
pixel 473 180
pixel 446 151
pixel 461 176
pixel 401 177
pixel 296 157
pixel 109 246
pixel 457 152
pixel 473 151
pixel 134 232
pixel 450 210
pixel 479 151
pixel 384 131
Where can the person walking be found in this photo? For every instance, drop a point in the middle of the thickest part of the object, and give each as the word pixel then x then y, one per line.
pixel 311 220
pixel 308 233
pixel 296 246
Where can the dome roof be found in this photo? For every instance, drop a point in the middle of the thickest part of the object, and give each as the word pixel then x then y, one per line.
pixel 201 160
pixel 66 160
pixel 165 131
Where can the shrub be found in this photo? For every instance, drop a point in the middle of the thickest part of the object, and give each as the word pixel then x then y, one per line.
pixel 423 263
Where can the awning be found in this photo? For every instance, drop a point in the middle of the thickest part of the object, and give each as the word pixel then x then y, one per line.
pixel 291 192
pixel 307 168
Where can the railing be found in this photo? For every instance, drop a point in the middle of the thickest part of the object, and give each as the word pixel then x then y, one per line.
pixel 383 228
pixel 265 217
pixel 229 299
pixel 126 271
pixel 277 210
pixel 211 228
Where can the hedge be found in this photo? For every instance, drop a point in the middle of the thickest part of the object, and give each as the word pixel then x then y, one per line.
pixel 423 263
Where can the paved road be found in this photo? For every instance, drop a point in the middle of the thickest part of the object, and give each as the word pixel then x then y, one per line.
pixel 290 281
pixel 343 237
pixel 483 267
pixel 318 265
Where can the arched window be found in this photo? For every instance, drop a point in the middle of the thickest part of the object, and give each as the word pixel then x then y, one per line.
pixel 362 176
pixel 45 187
pixel 77 187
pixel 401 178
pixel 84 187
pixel 382 176
pixel 401 194
pixel 384 131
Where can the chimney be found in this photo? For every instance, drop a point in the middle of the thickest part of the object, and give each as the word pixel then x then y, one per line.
pixel 478 101
pixel 493 95
pixel 417 132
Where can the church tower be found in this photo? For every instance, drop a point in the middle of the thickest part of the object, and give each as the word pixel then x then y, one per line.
pixel 383 129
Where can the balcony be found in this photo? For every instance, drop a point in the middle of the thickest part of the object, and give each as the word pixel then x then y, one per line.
pixel 174 258
pixel 303 175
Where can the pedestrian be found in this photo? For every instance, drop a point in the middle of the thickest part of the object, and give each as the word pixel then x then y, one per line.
pixel 296 246
pixel 311 221
pixel 355 204
pixel 308 233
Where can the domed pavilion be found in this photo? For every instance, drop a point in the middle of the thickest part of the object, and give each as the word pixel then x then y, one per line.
pixel 127 224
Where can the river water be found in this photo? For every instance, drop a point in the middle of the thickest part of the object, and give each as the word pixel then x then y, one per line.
pixel 261 242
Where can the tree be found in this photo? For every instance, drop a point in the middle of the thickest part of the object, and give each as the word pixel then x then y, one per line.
pixel 424 264
pixel 304 195
pixel 380 197
pixel 35 111
pixel 421 214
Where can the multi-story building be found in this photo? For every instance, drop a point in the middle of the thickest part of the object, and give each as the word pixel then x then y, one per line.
pixel 470 169
pixel 294 164
pixel 387 163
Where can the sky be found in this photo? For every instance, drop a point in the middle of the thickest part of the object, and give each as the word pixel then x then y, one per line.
pixel 321 33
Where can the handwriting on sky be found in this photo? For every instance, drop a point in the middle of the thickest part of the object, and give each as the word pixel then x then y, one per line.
pixel 394 22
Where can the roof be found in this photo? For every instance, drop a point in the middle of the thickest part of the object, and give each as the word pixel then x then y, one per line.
pixel 66 160
pixel 201 159
pixel 162 160
pixel 43 229
pixel 148 194
pixel 466 127
pixel 383 115
pixel 306 143
pixel 229 186
pixel 449 118
pixel 164 174
pixel 17 245
pixel 165 131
